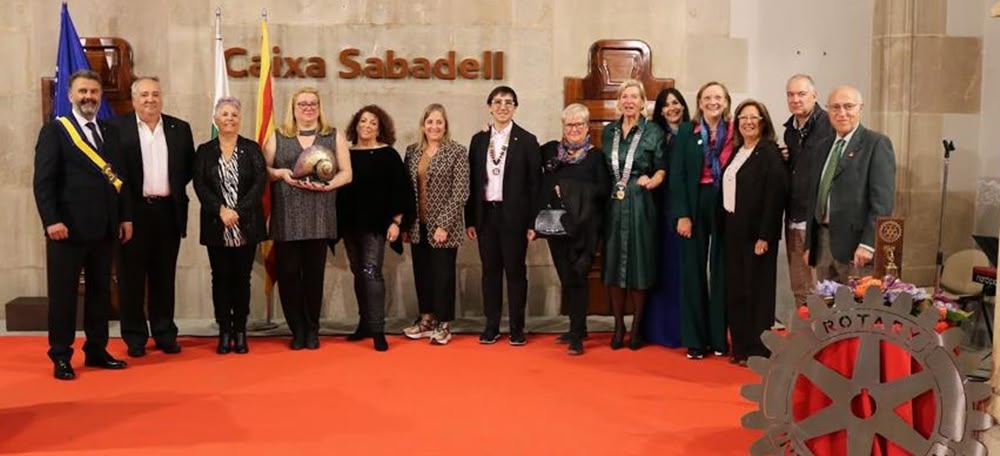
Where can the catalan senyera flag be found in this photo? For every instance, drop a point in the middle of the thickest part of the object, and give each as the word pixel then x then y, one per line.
pixel 264 130
pixel 221 79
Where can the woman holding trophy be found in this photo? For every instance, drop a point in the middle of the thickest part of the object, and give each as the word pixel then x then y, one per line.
pixel 307 160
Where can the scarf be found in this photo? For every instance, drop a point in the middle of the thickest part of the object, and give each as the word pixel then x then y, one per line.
pixel 712 152
pixel 565 147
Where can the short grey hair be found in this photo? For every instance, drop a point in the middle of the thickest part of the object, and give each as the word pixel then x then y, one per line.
pixel 135 84
pixel 576 110
pixel 230 100
pixel 802 76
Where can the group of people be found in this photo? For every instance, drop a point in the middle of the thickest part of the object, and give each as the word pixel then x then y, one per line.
pixel 687 210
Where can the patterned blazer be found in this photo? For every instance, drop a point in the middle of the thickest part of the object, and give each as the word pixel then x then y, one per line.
pixel 447 191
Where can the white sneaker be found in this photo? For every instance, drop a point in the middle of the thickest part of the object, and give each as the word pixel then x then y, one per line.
pixel 441 335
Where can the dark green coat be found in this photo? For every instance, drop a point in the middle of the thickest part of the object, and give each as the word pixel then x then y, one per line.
pixel 630 227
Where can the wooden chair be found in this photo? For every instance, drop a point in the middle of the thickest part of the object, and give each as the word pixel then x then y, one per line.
pixel 611 62
pixel 112 59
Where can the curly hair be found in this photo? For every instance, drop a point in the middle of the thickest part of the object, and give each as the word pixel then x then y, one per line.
pixel 386 129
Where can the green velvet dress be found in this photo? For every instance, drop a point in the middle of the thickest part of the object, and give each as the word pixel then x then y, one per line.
pixel 630 239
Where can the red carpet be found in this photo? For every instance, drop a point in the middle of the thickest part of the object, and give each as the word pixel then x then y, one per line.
pixel 346 399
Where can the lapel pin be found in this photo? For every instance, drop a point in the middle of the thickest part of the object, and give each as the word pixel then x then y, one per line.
pixel 850 154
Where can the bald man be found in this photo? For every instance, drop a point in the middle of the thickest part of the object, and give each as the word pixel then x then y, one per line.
pixel 853 183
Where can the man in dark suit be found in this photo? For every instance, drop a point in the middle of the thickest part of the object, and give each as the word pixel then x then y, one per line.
pixel 504 174
pixel 805 132
pixel 159 156
pixel 82 199
pixel 854 182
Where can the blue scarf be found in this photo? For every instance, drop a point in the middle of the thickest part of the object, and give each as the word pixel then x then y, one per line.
pixel 712 153
pixel 565 147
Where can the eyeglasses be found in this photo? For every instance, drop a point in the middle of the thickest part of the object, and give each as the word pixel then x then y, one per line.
pixel 307 104
pixel 575 125
pixel 504 102
pixel 749 118
pixel 846 107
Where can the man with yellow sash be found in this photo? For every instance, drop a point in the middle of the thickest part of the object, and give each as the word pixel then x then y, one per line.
pixel 83 206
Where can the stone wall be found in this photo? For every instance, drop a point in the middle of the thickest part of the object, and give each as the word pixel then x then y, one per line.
pixel 543 42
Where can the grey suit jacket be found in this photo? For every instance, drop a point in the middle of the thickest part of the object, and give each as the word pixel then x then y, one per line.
pixel 863 188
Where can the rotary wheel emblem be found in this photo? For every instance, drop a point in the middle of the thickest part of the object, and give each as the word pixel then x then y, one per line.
pixel 890 231
pixel 871 322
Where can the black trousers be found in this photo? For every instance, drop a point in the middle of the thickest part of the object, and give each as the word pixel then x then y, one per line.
pixel 365 253
pixel 502 252
pixel 149 262
pixel 300 268
pixel 572 265
pixel 434 277
pixel 64 260
pixel 231 268
pixel 750 292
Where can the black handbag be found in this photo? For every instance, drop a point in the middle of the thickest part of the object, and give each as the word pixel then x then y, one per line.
pixel 548 223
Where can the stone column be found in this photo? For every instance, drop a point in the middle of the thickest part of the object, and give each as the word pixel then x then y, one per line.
pixel 920 77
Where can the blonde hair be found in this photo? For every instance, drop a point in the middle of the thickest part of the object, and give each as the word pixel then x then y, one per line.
pixel 629 83
pixel 726 113
pixel 290 129
pixel 431 108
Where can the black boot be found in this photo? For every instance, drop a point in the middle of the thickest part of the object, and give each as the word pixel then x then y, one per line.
pixel 312 340
pixel 361 333
pixel 381 345
pixel 240 342
pixel 225 341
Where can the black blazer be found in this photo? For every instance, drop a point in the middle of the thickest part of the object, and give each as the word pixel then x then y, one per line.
pixel 521 178
pixel 761 193
pixel 70 189
pixel 180 161
pixel 253 179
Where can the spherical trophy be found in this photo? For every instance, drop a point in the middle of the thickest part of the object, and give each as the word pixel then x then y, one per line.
pixel 315 163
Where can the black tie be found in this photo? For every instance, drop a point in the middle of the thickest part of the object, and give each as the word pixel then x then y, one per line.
pixel 97 137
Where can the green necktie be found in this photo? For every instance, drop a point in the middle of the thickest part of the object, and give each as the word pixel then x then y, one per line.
pixel 823 197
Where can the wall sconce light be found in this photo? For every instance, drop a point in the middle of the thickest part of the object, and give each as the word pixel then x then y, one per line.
pixel 995 11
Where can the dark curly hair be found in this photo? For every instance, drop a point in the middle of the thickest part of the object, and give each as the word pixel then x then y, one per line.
pixel 386 130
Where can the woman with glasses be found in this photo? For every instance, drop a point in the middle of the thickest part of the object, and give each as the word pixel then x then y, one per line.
pixel 633 154
pixel 575 179
pixel 754 188
pixel 703 147
pixel 303 212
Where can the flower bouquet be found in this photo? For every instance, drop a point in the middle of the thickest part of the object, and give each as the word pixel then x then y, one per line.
pixel 949 311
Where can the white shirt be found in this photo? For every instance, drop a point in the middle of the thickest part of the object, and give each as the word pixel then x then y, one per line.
pixel 155 181
pixel 499 140
pixel 86 131
pixel 729 179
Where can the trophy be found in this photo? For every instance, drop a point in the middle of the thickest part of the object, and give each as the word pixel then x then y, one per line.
pixel 888 246
pixel 315 164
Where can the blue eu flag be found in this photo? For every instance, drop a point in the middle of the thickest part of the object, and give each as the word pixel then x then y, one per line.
pixel 70 59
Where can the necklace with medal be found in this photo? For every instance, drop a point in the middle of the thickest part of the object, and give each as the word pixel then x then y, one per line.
pixel 622 177
pixel 493 155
